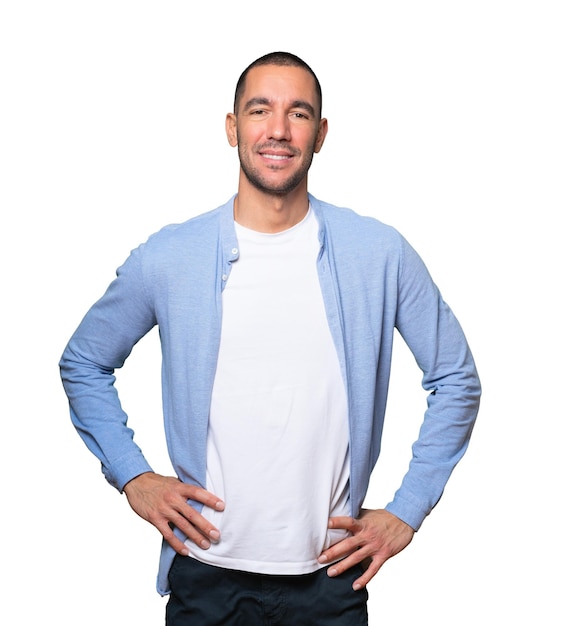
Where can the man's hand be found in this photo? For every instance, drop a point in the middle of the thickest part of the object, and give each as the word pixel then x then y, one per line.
pixel 376 536
pixel 162 501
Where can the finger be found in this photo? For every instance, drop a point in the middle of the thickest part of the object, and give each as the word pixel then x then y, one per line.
pixel 181 515
pixel 176 544
pixel 339 550
pixel 191 529
pixel 191 492
pixel 369 573
pixel 190 521
pixel 344 522
pixel 346 563
pixel 346 546
pixel 196 521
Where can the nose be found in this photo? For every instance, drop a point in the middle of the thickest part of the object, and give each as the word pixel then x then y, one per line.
pixel 279 127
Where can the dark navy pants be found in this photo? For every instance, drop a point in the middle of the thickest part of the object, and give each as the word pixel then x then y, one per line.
pixel 203 595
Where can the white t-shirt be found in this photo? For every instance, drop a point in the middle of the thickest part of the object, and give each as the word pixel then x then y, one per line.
pixel 278 442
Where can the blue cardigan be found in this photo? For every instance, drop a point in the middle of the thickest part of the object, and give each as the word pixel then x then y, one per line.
pixel 372 282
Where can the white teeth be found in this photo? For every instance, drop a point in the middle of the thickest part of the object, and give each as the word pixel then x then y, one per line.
pixel 276 157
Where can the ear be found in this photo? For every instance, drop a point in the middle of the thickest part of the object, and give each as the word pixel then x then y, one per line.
pixel 230 129
pixel 321 134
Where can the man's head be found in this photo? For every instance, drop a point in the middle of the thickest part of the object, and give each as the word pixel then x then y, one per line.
pixel 276 124
pixel 282 59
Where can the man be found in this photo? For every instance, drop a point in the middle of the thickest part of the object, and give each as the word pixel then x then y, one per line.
pixel 276 314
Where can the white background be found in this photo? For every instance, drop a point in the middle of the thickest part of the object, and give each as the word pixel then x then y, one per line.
pixel 459 122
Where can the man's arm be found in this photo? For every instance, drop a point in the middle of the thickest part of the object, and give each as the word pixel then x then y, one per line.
pixel 99 346
pixel 438 344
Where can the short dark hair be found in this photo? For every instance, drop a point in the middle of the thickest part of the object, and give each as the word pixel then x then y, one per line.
pixel 277 58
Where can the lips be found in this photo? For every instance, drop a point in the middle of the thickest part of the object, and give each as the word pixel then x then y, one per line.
pixel 276 157
pixel 277 152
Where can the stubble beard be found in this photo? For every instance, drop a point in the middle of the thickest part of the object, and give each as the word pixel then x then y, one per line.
pixel 260 182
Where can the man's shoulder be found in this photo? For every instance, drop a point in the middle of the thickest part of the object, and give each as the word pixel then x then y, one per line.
pixel 198 229
pixel 203 224
pixel 345 220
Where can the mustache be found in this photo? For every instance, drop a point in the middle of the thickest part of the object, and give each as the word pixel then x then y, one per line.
pixel 276 145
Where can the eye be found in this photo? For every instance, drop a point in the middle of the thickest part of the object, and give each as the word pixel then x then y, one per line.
pixel 300 116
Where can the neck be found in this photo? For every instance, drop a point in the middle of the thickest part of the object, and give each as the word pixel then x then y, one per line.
pixel 269 213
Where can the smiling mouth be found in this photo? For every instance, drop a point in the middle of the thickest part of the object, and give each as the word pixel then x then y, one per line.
pixel 276 157
pixel 277 153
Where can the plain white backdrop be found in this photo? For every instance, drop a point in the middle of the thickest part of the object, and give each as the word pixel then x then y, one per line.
pixel 460 123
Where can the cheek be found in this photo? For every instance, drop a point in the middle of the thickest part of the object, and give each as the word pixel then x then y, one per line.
pixel 309 140
pixel 250 133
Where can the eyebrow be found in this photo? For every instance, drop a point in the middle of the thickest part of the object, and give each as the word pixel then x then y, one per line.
pixel 296 104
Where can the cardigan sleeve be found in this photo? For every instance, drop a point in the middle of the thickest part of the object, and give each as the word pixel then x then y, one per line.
pixel 100 345
pixel 449 374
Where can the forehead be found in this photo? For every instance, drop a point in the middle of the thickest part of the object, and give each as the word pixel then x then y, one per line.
pixel 280 83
